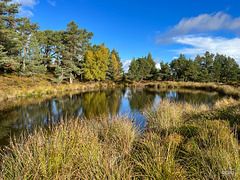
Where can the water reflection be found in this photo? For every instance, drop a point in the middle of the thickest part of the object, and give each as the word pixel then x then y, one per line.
pixel 88 104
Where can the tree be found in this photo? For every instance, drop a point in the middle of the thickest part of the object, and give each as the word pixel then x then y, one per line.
pixel 133 68
pixel 112 67
pixel 34 65
pixel 178 67
pixel 57 42
pixel 45 39
pixel 90 65
pixel 96 63
pixel 217 67
pixel 140 68
pixel 229 70
pixel 208 65
pixel 154 71
pixel 10 45
pixel 165 71
pixel 119 62
pixel 191 71
pixel 144 68
pixel 26 28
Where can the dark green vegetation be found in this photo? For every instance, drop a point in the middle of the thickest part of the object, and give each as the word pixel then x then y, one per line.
pixel 181 141
pixel 66 54
pixel 207 68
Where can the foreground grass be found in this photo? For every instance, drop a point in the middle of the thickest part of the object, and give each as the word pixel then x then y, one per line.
pixel 181 141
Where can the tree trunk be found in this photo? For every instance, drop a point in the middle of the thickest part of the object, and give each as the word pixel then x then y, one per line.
pixel 24 55
pixel 71 80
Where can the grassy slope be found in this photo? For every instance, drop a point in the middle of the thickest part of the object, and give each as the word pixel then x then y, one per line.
pixel 12 86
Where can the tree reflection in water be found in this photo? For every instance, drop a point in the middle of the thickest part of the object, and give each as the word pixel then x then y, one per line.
pixel 89 104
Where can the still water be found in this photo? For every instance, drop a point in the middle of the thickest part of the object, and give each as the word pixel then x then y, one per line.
pixel 87 104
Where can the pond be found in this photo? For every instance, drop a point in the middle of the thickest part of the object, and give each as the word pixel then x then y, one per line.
pixel 115 101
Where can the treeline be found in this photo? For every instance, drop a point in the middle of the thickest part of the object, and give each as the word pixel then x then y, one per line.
pixel 68 54
pixel 26 50
pixel 206 68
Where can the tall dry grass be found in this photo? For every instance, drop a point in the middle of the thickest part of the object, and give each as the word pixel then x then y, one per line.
pixel 176 144
pixel 73 149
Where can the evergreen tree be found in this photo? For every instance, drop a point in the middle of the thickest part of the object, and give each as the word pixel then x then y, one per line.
pixel 112 67
pixel 10 45
pixel 229 70
pixel 165 71
pixel 26 28
pixel 217 67
pixel 57 42
pixel 154 71
pixel 178 67
pixel 34 58
pixel 208 65
pixel 144 68
pixel 191 71
pixel 45 39
pixel 133 68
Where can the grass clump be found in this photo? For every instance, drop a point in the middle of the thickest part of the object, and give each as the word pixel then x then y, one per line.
pixel 181 141
pixel 74 149
pixel 181 145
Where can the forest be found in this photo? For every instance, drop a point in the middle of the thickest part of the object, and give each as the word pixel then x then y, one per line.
pixel 206 68
pixel 68 54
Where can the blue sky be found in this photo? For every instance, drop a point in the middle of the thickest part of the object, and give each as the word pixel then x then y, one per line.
pixel 136 27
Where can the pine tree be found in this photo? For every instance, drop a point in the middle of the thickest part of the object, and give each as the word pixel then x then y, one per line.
pixel 34 65
pixel 191 71
pixel 133 68
pixel 217 67
pixel 165 71
pixel 10 44
pixel 112 67
pixel 144 68
pixel 26 28
pixel 45 39
pixel 178 67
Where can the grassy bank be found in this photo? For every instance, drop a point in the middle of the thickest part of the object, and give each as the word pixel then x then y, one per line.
pixel 181 141
pixel 14 87
pixel 220 88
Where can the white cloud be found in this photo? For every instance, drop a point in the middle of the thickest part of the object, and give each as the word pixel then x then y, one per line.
pixel 200 24
pixel 126 63
pixel 26 4
pixel 157 61
pixel 229 47
pixel 25 13
pixel 52 2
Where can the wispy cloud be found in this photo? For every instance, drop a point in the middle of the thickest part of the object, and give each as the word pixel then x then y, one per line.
pixel 201 24
pixel 26 3
pixel 52 2
pixel 126 63
pixel 199 45
pixel 193 34
pixel 27 6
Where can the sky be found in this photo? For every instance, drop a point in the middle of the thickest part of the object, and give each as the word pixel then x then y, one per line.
pixel 165 28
